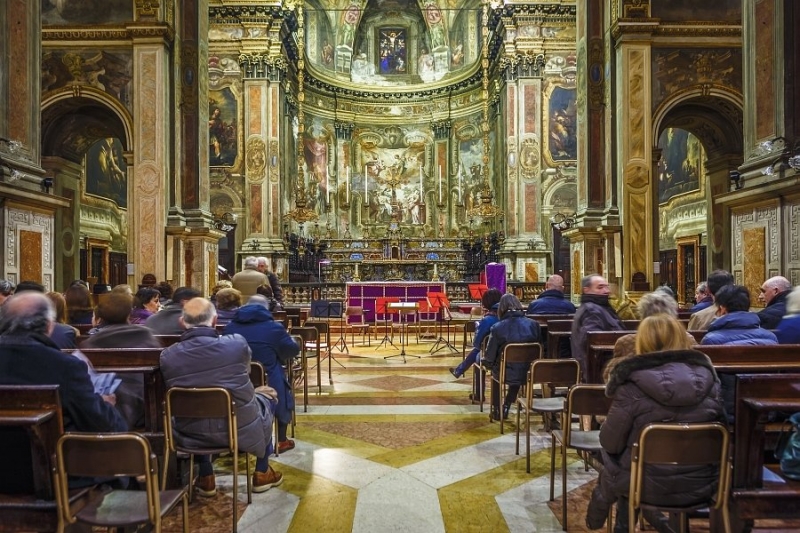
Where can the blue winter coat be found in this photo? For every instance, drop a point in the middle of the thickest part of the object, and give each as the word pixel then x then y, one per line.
pixel 270 344
pixel 483 329
pixel 741 328
pixel 788 331
pixel 551 302
pixel 708 301
pixel 513 327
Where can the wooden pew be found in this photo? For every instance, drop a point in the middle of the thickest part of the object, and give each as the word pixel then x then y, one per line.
pixel 30 425
pixel 145 361
pixel 557 330
pixel 742 359
pixel 542 320
pixel 167 340
pixel 600 350
pixel 753 497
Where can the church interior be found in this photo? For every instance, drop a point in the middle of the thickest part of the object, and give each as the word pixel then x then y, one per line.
pixel 648 141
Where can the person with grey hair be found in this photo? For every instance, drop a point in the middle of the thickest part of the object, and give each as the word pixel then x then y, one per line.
pixel 513 327
pixel 702 297
pixel 274 282
pixel 29 357
pixel 788 330
pixel 773 294
pixel 249 279
pixel 653 303
pixel 202 358
pixel 594 314
pixel 6 290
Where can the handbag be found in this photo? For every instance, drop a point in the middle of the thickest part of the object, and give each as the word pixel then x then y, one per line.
pixel 789 450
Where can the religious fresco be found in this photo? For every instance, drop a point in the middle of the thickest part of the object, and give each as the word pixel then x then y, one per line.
pixel 681 163
pixel 80 12
pixel 470 157
pixel 106 171
pixel 675 69
pixel 223 133
pixel 393 51
pixel 685 10
pixel 562 143
pixel 108 71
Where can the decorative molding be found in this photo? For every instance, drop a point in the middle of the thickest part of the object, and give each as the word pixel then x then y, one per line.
pixel 256 158
pixel 56 36
pixel 147 8
pixel 257 65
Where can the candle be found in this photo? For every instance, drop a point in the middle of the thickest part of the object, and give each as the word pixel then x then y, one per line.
pixel 440 183
pixel 365 183
pixel 459 183
pixel 347 184
pixel 420 181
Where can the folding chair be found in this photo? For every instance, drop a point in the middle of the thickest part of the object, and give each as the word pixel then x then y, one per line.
pixel 470 326
pixel 676 445
pixel 479 376
pixel 323 347
pixel 104 455
pixel 546 372
pixel 194 403
pixel 309 336
pixel 515 352
pixel 360 324
pixel 589 400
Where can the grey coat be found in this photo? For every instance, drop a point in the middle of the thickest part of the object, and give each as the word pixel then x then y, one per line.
pixel 204 359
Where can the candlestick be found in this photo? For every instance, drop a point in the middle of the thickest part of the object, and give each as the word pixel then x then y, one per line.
pixel 365 185
pixel 420 182
pixel 440 183
pixel 347 183
pixel 460 193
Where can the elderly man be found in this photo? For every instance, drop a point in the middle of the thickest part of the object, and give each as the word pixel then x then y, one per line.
pixel 29 357
pixel 249 279
pixel 274 282
pixel 702 298
pixel 773 293
pixel 552 300
pixel 594 314
pixel 204 359
pixel 167 321
pixel 702 319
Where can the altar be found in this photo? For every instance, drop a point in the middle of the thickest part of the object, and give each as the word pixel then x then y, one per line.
pixel 366 294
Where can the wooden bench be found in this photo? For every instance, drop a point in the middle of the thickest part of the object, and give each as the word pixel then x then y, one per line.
pixel 556 330
pixel 30 425
pixel 752 496
pixel 600 350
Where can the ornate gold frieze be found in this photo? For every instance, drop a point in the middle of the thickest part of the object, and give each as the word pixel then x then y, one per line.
pixel 56 36
pixel 147 8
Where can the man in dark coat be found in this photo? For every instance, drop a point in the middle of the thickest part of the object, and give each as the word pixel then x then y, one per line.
pixel 274 282
pixel 167 321
pixel 594 314
pixel 773 293
pixel 513 327
pixel 29 357
pixel 552 301
pixel 63 335
pixel 204 359
pixel 271 346
pixel 702 298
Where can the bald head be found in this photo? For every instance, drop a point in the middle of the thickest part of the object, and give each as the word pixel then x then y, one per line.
pixel 771 288
pixel 554 282
pixel 198 312
pixel 27 312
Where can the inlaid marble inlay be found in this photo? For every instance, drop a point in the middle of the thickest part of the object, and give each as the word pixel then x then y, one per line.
pixel 754 265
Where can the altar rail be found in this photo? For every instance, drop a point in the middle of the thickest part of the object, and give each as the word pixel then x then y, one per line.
pixel 301 294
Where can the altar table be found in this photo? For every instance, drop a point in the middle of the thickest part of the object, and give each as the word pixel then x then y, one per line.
pixel 365 294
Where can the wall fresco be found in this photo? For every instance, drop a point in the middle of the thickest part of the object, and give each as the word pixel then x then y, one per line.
pixel 111 72
pixel 681 163
pixel 77 12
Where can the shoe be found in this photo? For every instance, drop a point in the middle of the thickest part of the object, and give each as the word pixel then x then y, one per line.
pixel 285 445
pixel 506 407
pixel 263 481
pixel 205 486
pixel 474 397
pixel 456 373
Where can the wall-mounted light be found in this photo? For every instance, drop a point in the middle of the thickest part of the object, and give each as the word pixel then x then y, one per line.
pixel 226 222
pixel 274 161
pixel 562 221
pixel 47 184
pixel 772 145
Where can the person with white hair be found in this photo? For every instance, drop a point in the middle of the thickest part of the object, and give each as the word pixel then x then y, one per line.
pixel 274 282
pixel 249 279
pixel 773 293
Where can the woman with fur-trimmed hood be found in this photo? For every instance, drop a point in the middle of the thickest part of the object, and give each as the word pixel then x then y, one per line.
pixel 665 382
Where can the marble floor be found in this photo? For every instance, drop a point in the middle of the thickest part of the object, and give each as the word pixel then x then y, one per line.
pixel 394 446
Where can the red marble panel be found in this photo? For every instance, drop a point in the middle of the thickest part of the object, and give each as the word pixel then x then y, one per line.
pixel 512 108
pixel 255 209
pixel 765 77
pixel 531 102
pixel 30 256
pixel 276 215
pixel 531 208
pixel 19 84
pixel 274 115
pixel 254 110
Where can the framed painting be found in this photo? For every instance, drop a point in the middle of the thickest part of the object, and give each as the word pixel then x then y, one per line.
pixel 106 171
pixel 681 163
pixel 392 56
pixel 223 131
pixel 561 125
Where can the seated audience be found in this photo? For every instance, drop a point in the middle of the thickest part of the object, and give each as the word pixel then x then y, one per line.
pixel 165 289
pixel 788 331
pixel 513 327
pixel 594 314
pixel 650 304
pixel 249 279
pixel 735 324
pixel 489 302
pixel 6 290
pixel 716 280
pixel 79 304
pixel 665 381
pixel 63 335
pixel 271 346
pixel 228 301
pixel 204 359
pixel 29 357
pixel 221 284
pixel 702 298
pixel 123 288
pixel 552 301
pixel 773 294
pixel 167 321
pixel 113 331
pixel 274 282
pixel 145 304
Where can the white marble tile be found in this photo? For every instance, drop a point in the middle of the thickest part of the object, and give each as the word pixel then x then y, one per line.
pixel 397 502
pixel 333 464
pixel 270 511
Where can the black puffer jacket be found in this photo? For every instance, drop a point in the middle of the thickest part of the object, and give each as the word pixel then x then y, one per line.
pixel 674 386
pixel 513 327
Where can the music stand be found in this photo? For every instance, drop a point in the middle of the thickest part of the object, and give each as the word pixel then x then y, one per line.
pixel 404 309
pixel 341 343
pixel 477 290
pixel 382 308
pixel 440 305
pixel 327 309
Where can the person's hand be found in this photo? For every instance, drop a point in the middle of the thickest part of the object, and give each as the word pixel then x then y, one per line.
pixel 110 399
